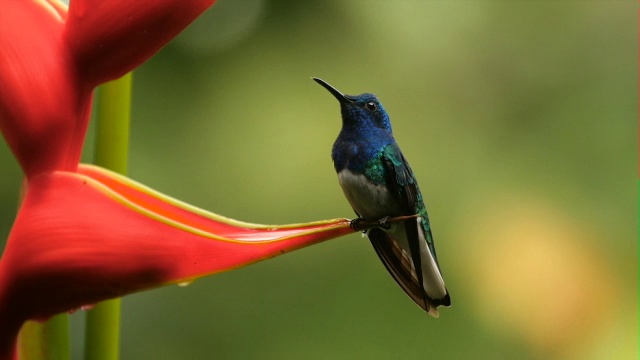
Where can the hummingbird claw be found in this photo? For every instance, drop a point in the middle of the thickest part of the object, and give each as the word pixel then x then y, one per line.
pixel 364 225
pixel 384 223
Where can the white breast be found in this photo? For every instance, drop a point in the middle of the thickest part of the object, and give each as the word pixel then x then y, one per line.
pixel 370 201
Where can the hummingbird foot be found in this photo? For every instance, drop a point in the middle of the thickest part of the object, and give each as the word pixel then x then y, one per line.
pixel 360 224
pixel 364 225
pixel 384 223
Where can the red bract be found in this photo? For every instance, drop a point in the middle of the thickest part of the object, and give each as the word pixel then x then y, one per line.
pixel 51 61
pixel 84 234
pixel 92 235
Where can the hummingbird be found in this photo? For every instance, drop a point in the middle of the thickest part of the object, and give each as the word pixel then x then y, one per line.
pixel 379 184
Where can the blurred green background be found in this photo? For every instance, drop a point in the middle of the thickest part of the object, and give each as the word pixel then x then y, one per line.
pixel 519 120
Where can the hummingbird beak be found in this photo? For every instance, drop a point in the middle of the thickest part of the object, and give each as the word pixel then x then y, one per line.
pixel 340 96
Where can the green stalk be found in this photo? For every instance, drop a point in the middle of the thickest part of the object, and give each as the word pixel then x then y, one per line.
pixel 45 341
pixel 102 340
pixel 114 110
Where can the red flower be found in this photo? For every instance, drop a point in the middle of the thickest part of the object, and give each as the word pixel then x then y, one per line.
pixel 52 60
pixel 84 234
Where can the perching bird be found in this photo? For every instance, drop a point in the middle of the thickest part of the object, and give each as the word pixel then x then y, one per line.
pixel 379 184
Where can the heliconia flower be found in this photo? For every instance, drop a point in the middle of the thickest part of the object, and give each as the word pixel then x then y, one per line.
pixel 83 237
pixel 51 60
pixel 84 234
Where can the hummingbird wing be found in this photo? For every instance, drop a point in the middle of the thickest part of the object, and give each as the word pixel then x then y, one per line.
pixel 397 265
pixel 409 269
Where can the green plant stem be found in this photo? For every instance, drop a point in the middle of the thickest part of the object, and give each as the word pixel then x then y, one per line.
pixel 102 340
pixel 45 341
pixel 114 109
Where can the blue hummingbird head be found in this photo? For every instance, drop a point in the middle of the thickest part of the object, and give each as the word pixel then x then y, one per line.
pixel 362 111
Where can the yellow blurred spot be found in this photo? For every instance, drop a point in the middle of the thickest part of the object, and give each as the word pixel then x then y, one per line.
pixel 537 274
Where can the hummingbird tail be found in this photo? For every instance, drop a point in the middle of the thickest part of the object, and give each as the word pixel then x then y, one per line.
pixel 426 287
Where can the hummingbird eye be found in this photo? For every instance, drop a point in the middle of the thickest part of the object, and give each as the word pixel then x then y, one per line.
pixel 371 106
